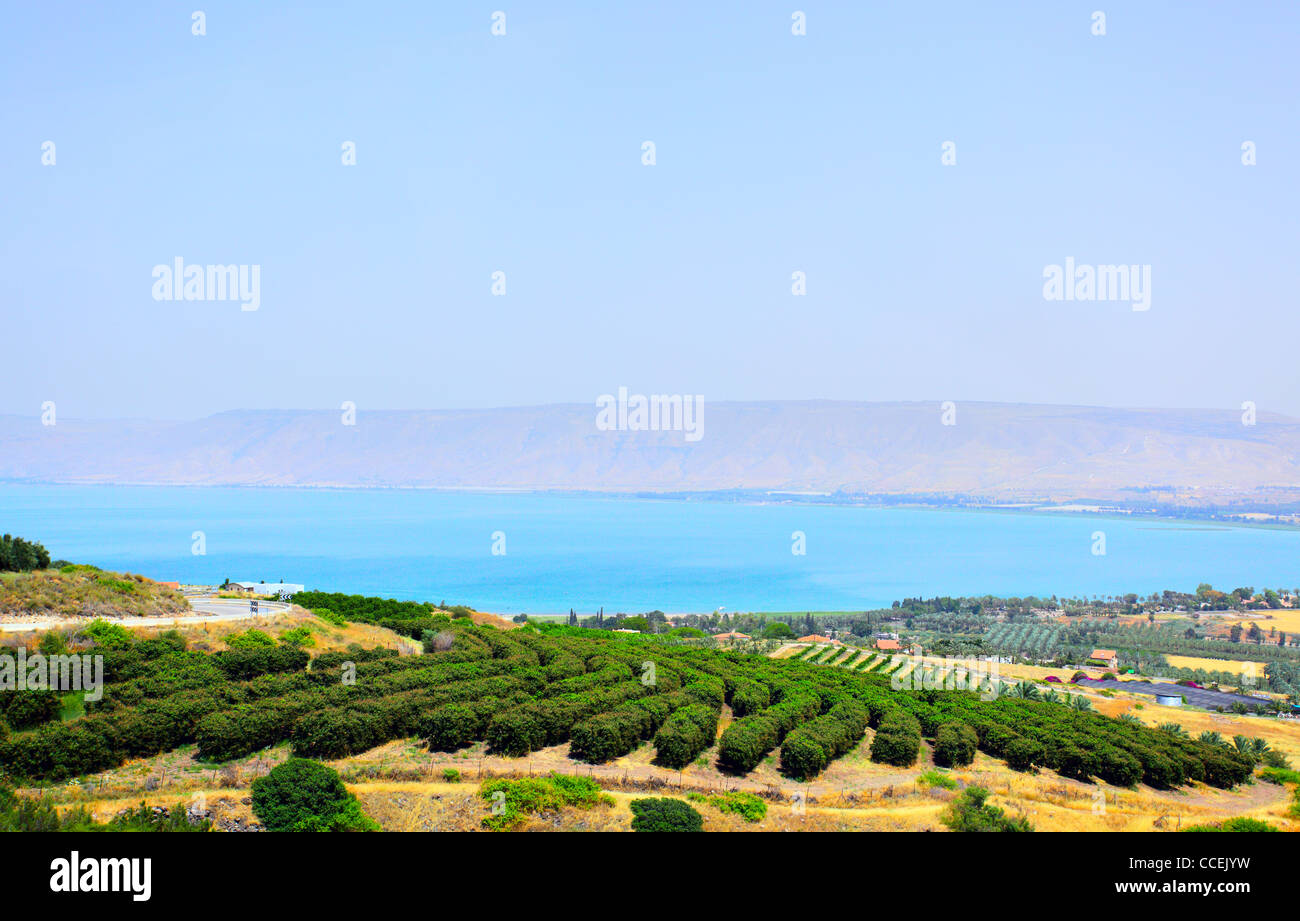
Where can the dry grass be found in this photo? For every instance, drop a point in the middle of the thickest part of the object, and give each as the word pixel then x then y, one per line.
pixel 1215 665
pixel 211 636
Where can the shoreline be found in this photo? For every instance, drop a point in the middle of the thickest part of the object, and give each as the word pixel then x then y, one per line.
pixel 731 497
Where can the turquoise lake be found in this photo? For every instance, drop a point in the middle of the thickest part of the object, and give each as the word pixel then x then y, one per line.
pixel 565 552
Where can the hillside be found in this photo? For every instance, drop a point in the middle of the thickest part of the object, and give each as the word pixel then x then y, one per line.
pixel 994 452
pixel 85 591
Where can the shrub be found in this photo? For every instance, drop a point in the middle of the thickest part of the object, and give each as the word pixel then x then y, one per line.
pixel 303 795
pixel 954 745
pixel 1022 754
pixel 250 639
pixel 330 617
pixel 1119 767
pixel 106 635
pixel 970 811
pixel 456 725
pixel 451 775
pixel 24 709
pixel 686 733
pixel 53 644
pixel 746 805
pixel 1240 823
pixel 937 779
pixel 513 800
pixel 298 636
pixel 898 740
pixel 663 814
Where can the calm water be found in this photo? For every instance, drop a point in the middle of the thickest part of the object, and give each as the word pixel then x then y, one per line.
pixel 625 554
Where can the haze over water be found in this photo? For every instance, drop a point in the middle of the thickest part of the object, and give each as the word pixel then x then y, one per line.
pixel 628 554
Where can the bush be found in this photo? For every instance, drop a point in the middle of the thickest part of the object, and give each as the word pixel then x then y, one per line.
pixel 746 805
pixel 954 745
pixel 749 697
pixel 937 779
pixel 106 635
pixel 970 811
pixel 24 709
pixel 1119 767
pixel 513 800
pixel 662 814
pixel 250 639
pixel 456 725
pixel 686 733
pixel 1022 754
pixel 303 795
pixel 898 740
pixel 1241 823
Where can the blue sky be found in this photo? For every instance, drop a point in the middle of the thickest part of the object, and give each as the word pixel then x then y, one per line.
pixel 522 153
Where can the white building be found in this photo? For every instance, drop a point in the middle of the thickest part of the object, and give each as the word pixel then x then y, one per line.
pixel 269 588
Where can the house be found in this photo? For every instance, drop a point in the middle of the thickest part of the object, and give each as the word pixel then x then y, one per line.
pixel 888 646
pixel 818 638
pixel 267 588
pixel 1106 658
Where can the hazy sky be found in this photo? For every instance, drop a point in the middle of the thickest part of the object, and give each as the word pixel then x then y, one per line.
pixel 522 153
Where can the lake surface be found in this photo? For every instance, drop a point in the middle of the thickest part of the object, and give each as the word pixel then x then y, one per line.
pixel 565 552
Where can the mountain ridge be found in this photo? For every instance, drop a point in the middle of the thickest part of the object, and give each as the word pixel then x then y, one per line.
pixel 995 452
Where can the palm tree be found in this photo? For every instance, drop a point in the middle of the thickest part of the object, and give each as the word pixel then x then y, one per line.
pixel 1258 746
pixel 1130 718
pixel 1243 744
pixel 1081 703
pixel 1026 690
pixel 1212 738
pixel 1051 696
pixel 1174 729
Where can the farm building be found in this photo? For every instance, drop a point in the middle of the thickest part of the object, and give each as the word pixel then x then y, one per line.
pixel 733 635
pixel 1106 658
pixel 888 645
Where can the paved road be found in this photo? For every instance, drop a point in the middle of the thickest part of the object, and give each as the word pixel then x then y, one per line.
pixel 210 610
pixel 1197 697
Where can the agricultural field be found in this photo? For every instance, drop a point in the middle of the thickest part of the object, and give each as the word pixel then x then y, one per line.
pixel 210 710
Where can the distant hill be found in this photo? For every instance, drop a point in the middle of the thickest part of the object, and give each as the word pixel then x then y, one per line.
pixel 995 452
